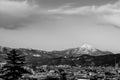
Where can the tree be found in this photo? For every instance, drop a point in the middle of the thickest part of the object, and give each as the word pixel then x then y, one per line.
pixel 14 67
pixel 62 74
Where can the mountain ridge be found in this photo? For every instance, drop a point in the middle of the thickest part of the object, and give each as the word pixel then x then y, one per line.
pixel 85 55
pixel 84 49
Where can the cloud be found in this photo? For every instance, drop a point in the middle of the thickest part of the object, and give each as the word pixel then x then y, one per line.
pixel 71 11
pixel 111 19
pixel 107 8
pixel 108 13
pixel 17 14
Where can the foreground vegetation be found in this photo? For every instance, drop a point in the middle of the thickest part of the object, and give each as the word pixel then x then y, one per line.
pixel 16 67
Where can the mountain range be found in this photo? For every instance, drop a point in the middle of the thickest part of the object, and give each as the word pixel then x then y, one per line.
pixel 84 55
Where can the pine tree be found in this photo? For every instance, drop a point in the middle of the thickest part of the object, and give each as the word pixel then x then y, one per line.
pixel 14 67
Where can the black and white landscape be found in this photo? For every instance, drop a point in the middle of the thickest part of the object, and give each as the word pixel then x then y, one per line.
pixel 59 39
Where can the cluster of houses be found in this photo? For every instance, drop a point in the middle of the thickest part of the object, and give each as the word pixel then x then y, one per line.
pixel 73 72
pixel 77 73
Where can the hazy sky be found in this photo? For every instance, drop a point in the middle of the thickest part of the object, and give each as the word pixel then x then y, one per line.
pixel 60 24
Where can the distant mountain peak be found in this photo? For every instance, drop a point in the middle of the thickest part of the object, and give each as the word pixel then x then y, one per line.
pixel 88 47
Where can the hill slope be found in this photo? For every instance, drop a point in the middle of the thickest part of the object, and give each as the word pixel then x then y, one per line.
pixel 85 55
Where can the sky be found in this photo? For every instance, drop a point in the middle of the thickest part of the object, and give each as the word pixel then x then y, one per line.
pixel 60 24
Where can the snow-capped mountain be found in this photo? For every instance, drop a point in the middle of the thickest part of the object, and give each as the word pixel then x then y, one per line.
pixel 84 54
pixel 86 49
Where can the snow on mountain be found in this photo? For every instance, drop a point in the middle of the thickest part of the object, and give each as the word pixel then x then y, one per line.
pixel 85 49
pixel 88 47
